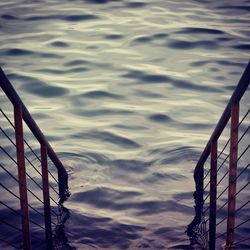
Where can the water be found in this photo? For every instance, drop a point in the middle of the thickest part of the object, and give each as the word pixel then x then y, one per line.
pixel 127 92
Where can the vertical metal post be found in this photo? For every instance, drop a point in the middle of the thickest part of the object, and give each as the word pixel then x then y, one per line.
pixel 213 194
pixel 199 180
pixel 198 195
pixel 46 197
pixel 232 174
pixel 22 176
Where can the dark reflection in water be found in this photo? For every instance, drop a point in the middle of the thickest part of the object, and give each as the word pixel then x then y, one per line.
pixel 60 240
pixel 71 18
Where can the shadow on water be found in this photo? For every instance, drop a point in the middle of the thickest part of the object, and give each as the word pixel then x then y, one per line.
pixel 142 77
pixel 194 228
pixel 60 239
pixel 10 230
pixel 101 232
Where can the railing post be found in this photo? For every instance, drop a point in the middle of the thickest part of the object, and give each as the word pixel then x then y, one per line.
pixel 213 194
pixel 199 190
pixel 232 174
pixel 46 197
pixel 22 176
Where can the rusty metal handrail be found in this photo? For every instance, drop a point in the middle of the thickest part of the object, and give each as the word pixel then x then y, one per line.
pixel 16 101
pixel 236 97
pixel 21 114
pixel 231 111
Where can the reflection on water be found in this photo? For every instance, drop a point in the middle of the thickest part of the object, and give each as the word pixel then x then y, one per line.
pixel 128 93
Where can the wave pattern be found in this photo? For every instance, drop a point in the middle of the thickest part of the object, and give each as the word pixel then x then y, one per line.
pixel 128 92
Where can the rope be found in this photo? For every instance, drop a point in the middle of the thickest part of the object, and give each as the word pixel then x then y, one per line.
pixel 35 196
pixel 28 159
pixel 7 136
pixel 243 134
pixel 7 118
pixel 237 210
pixel 240 241
pixel 221 207
pixel 221 221
pixel 243 171
pixel 34 209
pixel 222 193
pixel 8 155
pixel 243 153
pixel 54 201
pixel 10 208
pixel 220 235
pixel 242 188
pixel 222 178
pixel 223 163
pixel 244 117
pixel 242 223
pixel 9 191
pixel 9 173
pixel 33 222
pixel 206 174
pixel 224 148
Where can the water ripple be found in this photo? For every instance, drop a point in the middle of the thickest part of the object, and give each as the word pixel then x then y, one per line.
pixel 100 196
pixel 175 155
pixel 135 4
pixel 8 17
pixel 185 44
pixel 103 232
pixel 147 39
pixel 116 200
pixel 60 44
pixel 91 64
pixel 111 138
pixel 101 94
pixel 159 79
pixel 23 52
pixel 70 18
pixel 156 177
pixel 113 37
pixel 76 63
pixel 102 112
pixel 146 78
pixel 17 52
pixel 160 118
pixel 132 165
pixel 98 1
pixel 62 72
pixel 137 87
pixel 220 62
pixel 243 8
pixel 242 46
pixel 42 89
pixel 192 30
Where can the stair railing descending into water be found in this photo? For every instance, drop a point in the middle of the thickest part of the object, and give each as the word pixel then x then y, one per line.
pixel 214 208
pixel 16 165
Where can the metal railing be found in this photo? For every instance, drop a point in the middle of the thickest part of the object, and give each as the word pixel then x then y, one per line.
pixel 31 196
pixel 222 201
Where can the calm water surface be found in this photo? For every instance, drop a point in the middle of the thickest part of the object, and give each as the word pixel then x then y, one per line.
pixel 127 93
